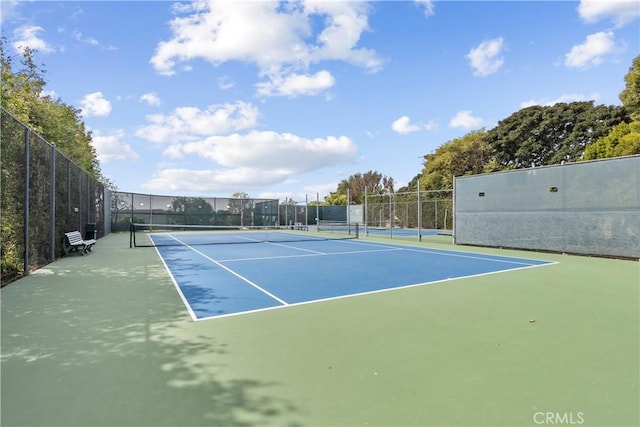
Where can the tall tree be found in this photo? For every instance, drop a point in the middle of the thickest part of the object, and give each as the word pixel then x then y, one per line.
pixel 22 86
pixel 624 138
pixel 190 211
pixel 537 136
pixel 357 184
pixel 630 96
pixel 22 95
pixel 467 155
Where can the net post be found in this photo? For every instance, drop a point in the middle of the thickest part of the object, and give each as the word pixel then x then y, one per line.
pixel 131 235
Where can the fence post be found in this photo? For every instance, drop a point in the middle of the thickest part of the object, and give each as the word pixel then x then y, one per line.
pixel 90 200
pixel 27 172
pixel 52 195
pixel 68 219
pixel 419 214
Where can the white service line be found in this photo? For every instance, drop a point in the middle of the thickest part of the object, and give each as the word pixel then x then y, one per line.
pixel 390 289
pixel 293 247
pixel 308 255
pixel 175 284
pixel 452 253
pixel 280 300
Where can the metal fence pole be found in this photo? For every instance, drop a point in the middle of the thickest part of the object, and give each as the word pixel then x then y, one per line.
pixel 89 199
pixel 366 214
pixel 52 197
pixel 419 214
pixel 68 219
pixel 27 134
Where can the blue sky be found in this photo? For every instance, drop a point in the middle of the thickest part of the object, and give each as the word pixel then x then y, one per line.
pixel 286 99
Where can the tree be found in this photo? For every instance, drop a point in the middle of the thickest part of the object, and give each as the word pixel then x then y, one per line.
pixel 356 185
pixel 190 211
pixel 62 124
pixel 241 206
pixel 21 89
pixel 624 138
pixel 336 199
pixel 467 155
pixel 22 95
pixel 630 96
pixel 538 136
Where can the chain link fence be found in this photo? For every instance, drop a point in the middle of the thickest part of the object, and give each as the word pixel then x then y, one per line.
pixel 127 208
pixel 43 194
pixel 429 210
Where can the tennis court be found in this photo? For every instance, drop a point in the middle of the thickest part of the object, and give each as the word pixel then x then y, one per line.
pixel 106 340
pixel 284 268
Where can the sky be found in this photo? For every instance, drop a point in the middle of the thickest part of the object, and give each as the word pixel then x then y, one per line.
pixel 286 99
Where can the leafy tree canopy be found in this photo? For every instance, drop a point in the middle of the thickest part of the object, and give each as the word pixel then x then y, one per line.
pixel 356 185
pixel 630 96
pixel 22 95
pixel 467 155
pixel 538 136
pixel 623 140
pixel 336 199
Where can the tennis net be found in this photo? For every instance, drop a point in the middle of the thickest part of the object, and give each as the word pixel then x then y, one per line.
pixel 154 235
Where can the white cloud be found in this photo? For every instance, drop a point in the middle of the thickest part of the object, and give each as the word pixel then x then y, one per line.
pixel 8 10
pixel 28 36
pixel 296 84
pixel 88 40
pixel 210 181
pixel 251 160
pixel 290 37
pixel 465 119
pixel 485 58
pixel 428 6
pixel 191 123
pixel 566 98
pixel 151 99
pixel 225 83
pixel 403 126
pixel 620 12
pixel 111 147
pixel 77 35
pixel 310 193
pixel 274 151
pixel 590 52
pixel 94 104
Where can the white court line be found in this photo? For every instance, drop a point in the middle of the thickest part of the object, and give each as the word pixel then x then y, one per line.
pixel 459 254
pixel 387 247
pixel 308 255
pixel 293 247
pixel 240 313
pixel 399 247
pixel 280 300
pixel 175 283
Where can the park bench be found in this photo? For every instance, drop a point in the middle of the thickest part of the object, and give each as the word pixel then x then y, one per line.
pixel 74 243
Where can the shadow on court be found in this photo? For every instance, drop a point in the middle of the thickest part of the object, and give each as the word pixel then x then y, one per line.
pixel 104 340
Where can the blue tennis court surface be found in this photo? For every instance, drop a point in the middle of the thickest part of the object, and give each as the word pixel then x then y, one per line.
pixel 228 279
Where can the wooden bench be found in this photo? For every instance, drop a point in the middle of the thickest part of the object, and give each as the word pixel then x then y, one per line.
pixel 74 242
